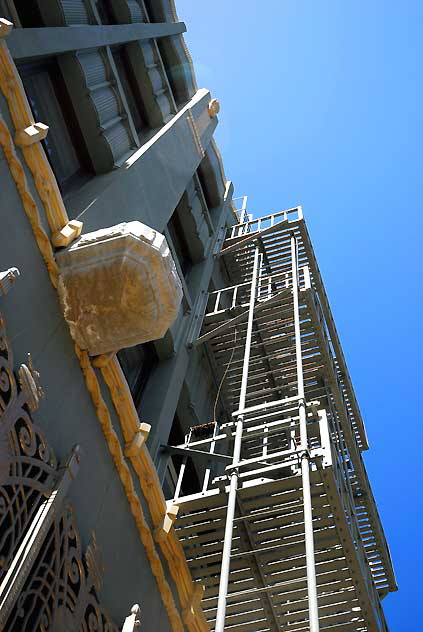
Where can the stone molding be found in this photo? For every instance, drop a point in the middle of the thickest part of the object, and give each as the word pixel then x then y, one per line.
pixel 29 134
pixel 125 476
pixel 162 514
pixel 213 108
pixel 28 201
pixel 12 88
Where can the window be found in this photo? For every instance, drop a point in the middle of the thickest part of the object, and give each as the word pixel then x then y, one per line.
pixel 50 103
pixel 104 11
pixel 190 481
pixel 137 364
pixel 179 242
pixel 130 88
pixel 27 13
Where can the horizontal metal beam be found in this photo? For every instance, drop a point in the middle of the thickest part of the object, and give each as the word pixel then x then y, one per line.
pixel 45 41
pixel 199 454
pixel 240 318
pixel 242 240
pixel 265 406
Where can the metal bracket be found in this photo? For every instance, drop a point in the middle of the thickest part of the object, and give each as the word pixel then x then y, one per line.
pixel 7 279
pixel 195 454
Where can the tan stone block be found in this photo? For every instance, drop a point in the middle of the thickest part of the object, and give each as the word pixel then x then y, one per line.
pixel 5 27
pixel 119 287
pixel 31 134
pixel 67 234
pixel 213 108
pixel 140 437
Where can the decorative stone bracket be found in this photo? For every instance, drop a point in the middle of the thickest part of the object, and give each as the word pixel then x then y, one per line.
pixel 67 234
pixel 213 108
pixel 189 613
pixel 140 437
pixel 31 134
pixel 163 530
pixel 5 27
pixel 118 287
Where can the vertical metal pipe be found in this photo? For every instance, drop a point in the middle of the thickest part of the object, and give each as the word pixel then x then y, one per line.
pixel 212 448
pixel 309 546
pixel 230 513
pixel 226 554
pixel 305 466
pixel 180 478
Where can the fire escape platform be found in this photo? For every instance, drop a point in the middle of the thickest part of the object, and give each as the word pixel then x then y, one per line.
pixel 272 379
pixel 273 233
pixel 267 581
pixel 272 371
pixel 264 335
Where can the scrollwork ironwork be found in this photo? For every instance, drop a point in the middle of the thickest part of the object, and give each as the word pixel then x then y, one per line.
pixel 60 591
pixel 27 465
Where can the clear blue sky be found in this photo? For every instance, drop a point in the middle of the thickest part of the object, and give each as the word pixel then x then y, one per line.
pixel 321 105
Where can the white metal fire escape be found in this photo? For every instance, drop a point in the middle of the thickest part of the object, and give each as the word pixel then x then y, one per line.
pixel 284 533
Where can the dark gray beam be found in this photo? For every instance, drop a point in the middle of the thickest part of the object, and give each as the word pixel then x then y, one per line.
pixel 41 42
pixel 195 454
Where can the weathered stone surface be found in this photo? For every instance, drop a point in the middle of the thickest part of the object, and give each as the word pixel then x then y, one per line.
pixel 119 287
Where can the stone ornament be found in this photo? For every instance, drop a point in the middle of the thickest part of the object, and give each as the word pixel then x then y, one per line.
pixel 5 27
pixel 7 279
pixel 32 134
pixel 67 234
pixel 119 287
pixel 213 108
pixel 29 381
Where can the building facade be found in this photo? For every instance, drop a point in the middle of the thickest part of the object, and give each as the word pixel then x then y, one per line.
pixel 118 233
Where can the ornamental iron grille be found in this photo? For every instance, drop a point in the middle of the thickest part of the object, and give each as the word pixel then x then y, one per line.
pixel 46 584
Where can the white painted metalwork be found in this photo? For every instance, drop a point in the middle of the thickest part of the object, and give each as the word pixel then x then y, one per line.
pixel 227 543
pixel 284 531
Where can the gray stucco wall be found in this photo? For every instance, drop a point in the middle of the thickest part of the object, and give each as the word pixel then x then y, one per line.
pixel 67 417
pixel 149 190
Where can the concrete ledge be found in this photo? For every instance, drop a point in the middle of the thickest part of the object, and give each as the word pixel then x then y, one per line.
pixel 40 42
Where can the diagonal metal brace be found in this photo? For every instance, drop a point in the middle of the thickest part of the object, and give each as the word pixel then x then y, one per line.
pixel 238 319
pixel 195 454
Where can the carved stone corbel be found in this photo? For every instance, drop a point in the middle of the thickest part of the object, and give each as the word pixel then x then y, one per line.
pixel 189 612
pixel 67 234
pixel 213 108
pixel 118 287
pixel 140 437
pixel 162 531
pixel 32 134
pixel 5 27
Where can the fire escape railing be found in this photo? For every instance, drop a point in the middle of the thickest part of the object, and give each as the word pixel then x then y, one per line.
pixel 275 344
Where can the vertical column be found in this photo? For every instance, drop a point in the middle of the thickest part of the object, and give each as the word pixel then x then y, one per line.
pixel 305 466
pixel 230 513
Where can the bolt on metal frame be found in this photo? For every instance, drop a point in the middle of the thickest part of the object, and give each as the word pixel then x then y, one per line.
pixel 284 533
